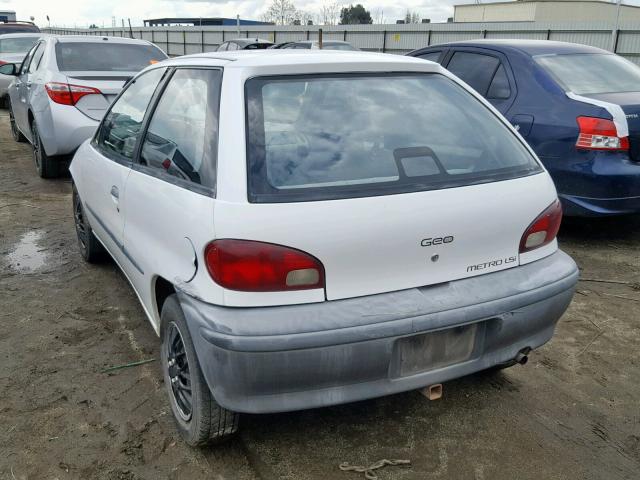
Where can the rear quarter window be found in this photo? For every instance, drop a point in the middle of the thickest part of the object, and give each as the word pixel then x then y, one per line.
pixel 106 57
pixel 356 135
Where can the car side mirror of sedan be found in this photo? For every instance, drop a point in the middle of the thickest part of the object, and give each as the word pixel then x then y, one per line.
pixel 9 69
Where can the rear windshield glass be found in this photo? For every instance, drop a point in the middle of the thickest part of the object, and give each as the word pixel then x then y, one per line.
pixel 11 28
pixel 17 45
pixel 585 74
pixel 106 57
pixel 327 137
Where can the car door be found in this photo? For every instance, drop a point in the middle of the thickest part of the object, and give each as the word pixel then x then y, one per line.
pixel 486 71
pixel 106 164
pixel 170 191
pixel 22 87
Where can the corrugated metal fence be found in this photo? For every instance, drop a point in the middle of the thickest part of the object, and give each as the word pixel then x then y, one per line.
pixel 397 39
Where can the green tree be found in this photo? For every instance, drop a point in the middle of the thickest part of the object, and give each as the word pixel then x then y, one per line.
pixel 355 15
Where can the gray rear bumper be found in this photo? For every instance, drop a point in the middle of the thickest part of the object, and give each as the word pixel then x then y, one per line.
pixel 295 357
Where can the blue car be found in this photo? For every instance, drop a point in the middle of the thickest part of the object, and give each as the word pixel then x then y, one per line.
pixel 577 106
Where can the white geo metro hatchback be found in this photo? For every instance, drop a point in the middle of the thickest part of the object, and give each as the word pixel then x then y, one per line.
pixel 308 229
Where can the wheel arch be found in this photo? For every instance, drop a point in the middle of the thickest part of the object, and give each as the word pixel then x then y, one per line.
pixel 162 289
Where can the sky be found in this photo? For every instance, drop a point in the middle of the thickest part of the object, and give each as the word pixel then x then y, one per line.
pixel 82 13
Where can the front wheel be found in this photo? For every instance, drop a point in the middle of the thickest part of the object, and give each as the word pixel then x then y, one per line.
pixel 199 418
pixel 47 166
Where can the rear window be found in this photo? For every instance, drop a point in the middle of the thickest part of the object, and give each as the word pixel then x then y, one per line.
pixel 16 28
pixel 585 74
pixel 106 57
pixel 257 46
pixel 17 45
pixel 329 137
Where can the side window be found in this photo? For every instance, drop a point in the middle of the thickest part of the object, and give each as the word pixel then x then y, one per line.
pixel 37 57
pixel 27 60
pixel 121 127
pixel 432 56
pixel 182 138
pixel 475 69
pixel 232 46
pixel 223 47
pixel 499 88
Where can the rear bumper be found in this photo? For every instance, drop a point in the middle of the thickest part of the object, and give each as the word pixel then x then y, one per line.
pixel 295 357
pixel 63 128
pixel 595 183
pixel 576 206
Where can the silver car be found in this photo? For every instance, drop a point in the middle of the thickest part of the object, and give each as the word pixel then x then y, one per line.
pixel 63 88
pixel 13 48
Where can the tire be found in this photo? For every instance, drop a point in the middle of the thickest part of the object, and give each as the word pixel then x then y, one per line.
pixel 199 418
pixel 15 132
pixel 91 249
pixel 48 167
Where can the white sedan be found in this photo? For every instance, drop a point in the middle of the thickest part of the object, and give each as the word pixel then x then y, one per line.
pixel 308 229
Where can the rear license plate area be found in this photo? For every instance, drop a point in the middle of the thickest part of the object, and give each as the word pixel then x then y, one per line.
pixel 434 350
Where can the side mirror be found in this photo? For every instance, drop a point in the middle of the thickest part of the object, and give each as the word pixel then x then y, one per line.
pixel 9 69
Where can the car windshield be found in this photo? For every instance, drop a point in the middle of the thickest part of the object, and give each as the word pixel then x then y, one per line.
pixel 17 45
pixel 106 57
pixel 323 137
pixel 585 74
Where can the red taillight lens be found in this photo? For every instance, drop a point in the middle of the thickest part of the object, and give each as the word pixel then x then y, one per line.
pixel 543 229
pixel 2 62
pixel 66 94
pixel 261 267
pixel 600 134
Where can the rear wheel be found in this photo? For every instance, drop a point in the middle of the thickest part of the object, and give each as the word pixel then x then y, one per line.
pixel 90 248
pixel 47 166
pixel 199 418
pixel 15 132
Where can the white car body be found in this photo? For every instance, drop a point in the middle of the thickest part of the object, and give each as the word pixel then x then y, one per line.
pixel 383 262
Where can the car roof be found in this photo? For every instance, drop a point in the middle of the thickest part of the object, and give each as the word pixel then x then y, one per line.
pixel 97 39
pixel 247 41
pixel 21 35
pixel 529 47
pixel 295 58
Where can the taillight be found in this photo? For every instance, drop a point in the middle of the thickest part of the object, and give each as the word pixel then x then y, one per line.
pixel 2 62
pixel 600 134
pixel 252 266
pixel 543 229
pixel 66 94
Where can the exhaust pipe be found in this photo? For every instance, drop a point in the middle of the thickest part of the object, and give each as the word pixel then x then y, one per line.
pixel 523 356
pixel 432 392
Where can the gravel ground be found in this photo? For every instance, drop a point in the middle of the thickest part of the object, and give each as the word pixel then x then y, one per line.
pixel 572 412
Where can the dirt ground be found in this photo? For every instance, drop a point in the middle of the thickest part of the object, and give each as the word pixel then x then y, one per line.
pixel 572 412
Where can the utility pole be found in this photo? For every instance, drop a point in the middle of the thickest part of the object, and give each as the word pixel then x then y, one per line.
pixel 238 24
pixel 614 32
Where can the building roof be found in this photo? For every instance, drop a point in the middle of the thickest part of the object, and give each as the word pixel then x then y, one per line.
pixel 603 2
pixel 202 21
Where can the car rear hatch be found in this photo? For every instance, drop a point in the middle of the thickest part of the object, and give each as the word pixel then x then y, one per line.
pixel 391 181
pixel 388 243
pixel 630 104
pixel 108 84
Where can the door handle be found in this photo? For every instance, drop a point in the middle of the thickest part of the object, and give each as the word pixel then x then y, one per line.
pixel 115 196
